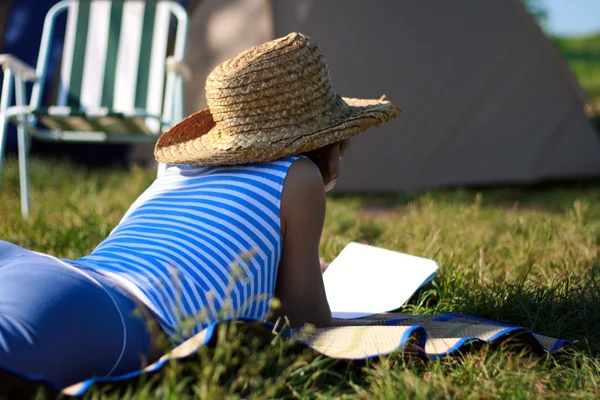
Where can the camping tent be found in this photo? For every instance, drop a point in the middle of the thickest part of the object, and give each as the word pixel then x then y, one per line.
pixel 487 99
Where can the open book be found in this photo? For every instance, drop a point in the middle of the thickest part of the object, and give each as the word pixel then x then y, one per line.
pixel 365 280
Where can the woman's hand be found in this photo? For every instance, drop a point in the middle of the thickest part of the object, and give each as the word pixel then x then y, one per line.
pixel 324 265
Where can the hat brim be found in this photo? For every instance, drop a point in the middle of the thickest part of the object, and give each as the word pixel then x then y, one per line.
pixel 197 140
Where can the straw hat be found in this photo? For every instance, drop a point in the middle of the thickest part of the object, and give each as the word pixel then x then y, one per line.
pixel 271 101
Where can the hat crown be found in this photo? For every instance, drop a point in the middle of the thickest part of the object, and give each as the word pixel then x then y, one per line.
pixel 266 53
pixel 278 83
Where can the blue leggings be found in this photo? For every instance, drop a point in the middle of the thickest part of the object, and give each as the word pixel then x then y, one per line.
pixel 65 325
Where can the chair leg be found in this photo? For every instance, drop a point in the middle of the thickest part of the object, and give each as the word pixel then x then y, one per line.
pixel 5 100
pixel 24 144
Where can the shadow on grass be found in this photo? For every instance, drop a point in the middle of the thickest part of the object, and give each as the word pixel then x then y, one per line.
pixel 555 196
pixel 566 310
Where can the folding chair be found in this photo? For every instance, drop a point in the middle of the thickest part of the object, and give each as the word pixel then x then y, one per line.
pixel 117 84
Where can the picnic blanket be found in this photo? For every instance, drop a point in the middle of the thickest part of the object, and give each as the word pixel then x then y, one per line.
pixel 425 336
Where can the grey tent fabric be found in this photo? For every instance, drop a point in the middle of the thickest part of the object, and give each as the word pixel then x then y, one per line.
pixel 487 99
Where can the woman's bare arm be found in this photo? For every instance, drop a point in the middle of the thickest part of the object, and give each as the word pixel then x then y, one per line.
pixel 299 284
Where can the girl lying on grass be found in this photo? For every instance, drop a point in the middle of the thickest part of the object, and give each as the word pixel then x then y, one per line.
pixel 245 187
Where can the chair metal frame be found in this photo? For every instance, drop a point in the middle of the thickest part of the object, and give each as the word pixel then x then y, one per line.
pixel 17 73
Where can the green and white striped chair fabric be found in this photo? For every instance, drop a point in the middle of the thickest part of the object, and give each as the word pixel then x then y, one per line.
pixel 93 119
pixel 113 69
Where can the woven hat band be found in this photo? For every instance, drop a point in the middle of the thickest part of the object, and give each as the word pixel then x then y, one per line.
pixel 275 98
pixel 253 134
pixel 301 111
pixel 273 103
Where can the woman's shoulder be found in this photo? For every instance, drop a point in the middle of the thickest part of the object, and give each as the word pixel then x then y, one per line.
pixel 303 172
pixel 303 196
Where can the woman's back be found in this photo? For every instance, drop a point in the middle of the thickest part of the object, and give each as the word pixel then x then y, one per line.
pixel 213 233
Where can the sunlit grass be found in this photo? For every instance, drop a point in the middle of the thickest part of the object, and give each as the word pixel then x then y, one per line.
pixel 522 256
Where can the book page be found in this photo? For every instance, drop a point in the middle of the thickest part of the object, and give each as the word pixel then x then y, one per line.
pixel 365 280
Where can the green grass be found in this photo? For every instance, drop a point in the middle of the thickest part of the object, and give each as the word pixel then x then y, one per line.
pixel 522 256
pixel 583 56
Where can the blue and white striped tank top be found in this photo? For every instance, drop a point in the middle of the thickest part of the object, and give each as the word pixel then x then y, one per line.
pixel 200 243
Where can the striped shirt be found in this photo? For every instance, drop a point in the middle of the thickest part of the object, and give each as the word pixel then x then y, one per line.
pixel 200 244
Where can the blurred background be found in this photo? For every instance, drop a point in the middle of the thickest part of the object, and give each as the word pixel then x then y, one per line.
pixel 494 92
